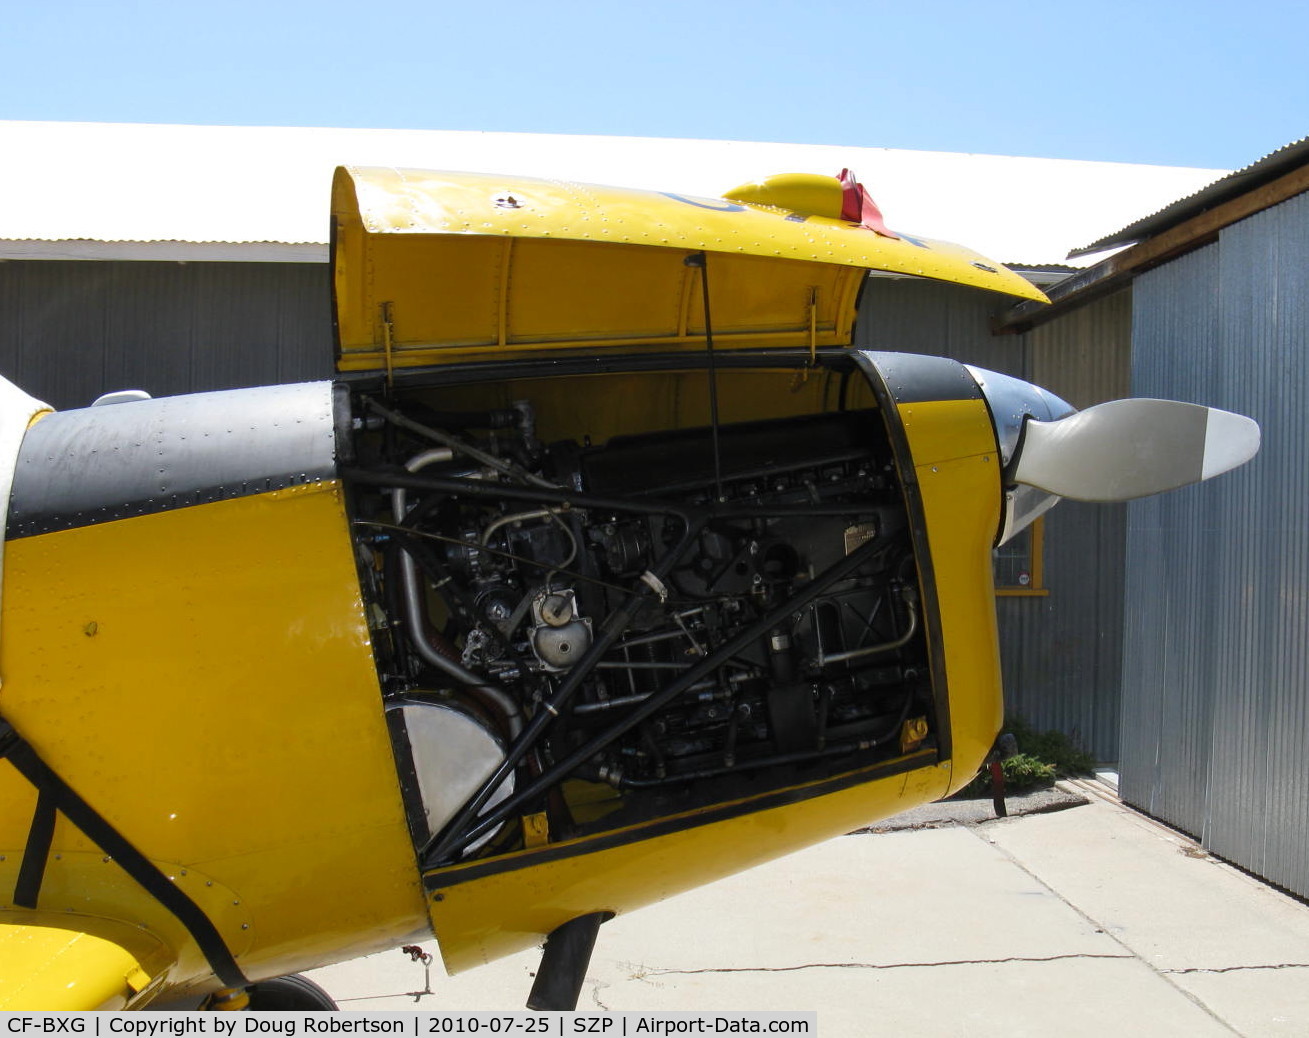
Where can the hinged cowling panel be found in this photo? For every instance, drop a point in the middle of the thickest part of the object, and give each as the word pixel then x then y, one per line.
pixel 440 267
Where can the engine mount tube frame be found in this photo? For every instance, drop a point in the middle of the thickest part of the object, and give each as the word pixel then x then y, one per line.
pixel 454 838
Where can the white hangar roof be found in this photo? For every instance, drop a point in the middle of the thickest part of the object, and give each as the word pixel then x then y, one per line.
pixel 258 193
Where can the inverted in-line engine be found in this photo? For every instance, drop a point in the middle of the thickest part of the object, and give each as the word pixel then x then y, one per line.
pixel 553 617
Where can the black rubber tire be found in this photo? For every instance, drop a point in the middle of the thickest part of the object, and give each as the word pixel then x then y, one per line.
pixel 292 993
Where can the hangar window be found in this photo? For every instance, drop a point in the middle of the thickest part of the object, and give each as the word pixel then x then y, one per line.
pixel 1020 564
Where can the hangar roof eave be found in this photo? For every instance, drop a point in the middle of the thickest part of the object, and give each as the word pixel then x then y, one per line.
pixel 172 251
pixel 1240 182
pixel 143 183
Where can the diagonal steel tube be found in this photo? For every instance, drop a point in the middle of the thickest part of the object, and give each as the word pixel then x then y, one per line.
pixel 612 629
pixel 716 659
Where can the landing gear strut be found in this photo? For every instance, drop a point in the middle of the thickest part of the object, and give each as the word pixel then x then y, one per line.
pixel 564 961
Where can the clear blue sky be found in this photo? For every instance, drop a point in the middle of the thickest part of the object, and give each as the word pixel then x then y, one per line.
pixel 1195 83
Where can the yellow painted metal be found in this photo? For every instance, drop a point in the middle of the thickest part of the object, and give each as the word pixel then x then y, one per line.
pixel 281 797
pixel 204 678
pixel 485 919
pixel 912 733
pixel 941 430
pixel 588 801
pixel 476 266
pixel 601 406
pixel 229 1000
pixel 958 474
pixel 810 193
pixel 956 467
pixel 46 969
pixel 536 829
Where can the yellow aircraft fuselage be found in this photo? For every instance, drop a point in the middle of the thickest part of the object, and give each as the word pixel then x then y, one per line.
pixel 216 759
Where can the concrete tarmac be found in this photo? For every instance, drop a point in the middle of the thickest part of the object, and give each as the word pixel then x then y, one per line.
pixel 1088 921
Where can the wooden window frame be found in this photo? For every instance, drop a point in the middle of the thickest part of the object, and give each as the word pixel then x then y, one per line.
pixel 1036 559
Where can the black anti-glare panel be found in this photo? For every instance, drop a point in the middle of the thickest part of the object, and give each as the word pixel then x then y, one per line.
pixel 98 464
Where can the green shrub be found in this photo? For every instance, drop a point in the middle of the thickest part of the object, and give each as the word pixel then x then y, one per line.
pixel 1023 771
pixel 1054 748
pixel 1041 758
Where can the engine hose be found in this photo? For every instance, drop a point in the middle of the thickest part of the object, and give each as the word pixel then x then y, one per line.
pixel 910 596
pixel 536 513
pixel 414 613
pixel 504 703
pixel 515 517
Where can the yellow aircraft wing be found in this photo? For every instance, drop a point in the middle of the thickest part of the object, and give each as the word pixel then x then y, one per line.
pixel 438 267
pixel 60 970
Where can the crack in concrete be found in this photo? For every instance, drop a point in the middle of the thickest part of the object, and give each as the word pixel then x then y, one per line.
pixel 655 971
pixel 1237 969
pixel 1104 929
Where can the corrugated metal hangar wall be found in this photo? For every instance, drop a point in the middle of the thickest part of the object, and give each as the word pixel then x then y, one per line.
pixel 1216 676
pixel 72 330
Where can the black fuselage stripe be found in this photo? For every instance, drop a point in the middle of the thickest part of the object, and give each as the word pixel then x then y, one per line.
pixel 100 464
pixel 912 378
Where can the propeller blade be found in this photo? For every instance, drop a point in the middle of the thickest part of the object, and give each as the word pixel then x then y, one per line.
pixel 1126 449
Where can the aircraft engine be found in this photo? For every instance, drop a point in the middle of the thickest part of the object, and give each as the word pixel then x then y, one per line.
pixel 500 564
pixel 585 635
